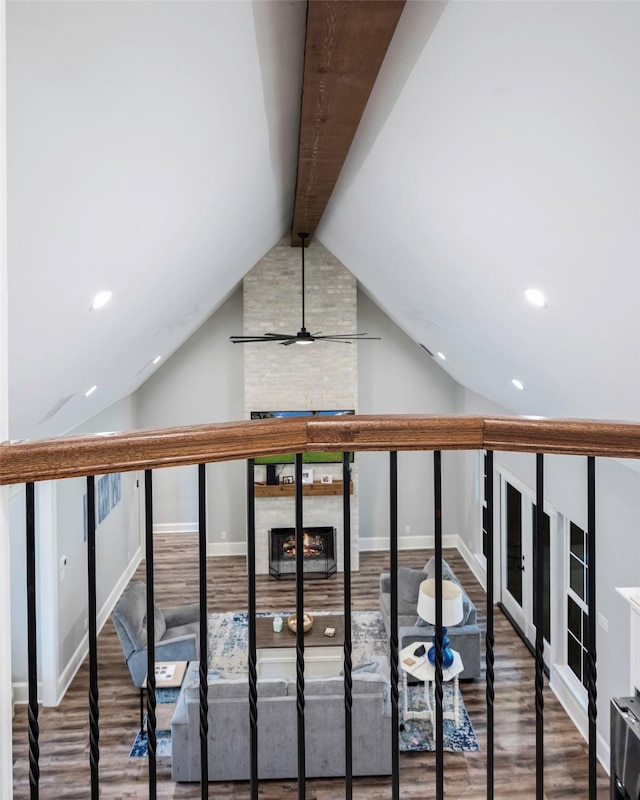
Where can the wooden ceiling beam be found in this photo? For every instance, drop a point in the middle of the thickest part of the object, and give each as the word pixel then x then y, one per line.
pixel 345 46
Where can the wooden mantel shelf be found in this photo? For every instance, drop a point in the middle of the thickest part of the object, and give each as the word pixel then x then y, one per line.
pixel 288 489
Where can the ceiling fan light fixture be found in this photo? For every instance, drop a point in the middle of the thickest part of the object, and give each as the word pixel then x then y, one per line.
pixel 302 337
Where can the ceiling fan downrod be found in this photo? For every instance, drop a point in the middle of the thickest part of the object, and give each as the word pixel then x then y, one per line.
pixel 302 236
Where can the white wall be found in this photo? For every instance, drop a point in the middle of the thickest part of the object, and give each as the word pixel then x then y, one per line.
pixel 201 383
pixel 6 778
pixel 62 593
pixel 117 545
pixel 17 567
pixel 45 589
pixel 396 376
pixel 617 551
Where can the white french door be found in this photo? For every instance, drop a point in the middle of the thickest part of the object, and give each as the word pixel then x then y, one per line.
pixel 518 569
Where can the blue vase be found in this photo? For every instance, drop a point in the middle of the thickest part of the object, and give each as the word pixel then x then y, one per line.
pixel 447 655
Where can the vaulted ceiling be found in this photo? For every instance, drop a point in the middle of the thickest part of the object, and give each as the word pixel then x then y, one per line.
pixel 152 148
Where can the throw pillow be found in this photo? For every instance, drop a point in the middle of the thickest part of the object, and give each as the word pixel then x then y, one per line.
pixel 466 609
pixel 159 625
pixel 193 677
pixel 373 666
pixel 409 581
pixel 447 573
pixel 378 664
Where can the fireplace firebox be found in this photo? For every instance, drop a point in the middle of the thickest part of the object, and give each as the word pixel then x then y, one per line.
pixel 319 551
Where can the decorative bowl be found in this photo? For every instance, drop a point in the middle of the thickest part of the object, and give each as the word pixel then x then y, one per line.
pixel 307 621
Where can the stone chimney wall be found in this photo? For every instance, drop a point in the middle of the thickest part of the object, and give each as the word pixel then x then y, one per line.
pixel 320 376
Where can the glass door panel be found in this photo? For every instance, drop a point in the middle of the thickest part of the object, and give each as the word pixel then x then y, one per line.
pixel 513 510
pixel 518 532
pixel 546 568
pixel 514 547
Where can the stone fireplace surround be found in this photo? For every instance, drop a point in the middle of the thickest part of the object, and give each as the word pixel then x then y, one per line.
pixel 315 377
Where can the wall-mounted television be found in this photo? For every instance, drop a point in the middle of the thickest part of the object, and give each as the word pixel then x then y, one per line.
pixel 319 457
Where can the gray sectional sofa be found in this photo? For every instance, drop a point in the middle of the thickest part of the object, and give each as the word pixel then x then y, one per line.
pixel 229 727
pixel 464 637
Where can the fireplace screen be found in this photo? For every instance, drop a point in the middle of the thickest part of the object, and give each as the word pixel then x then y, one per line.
pixel 319 550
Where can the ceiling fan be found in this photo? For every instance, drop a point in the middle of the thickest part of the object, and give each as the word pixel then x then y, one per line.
pixel 303 336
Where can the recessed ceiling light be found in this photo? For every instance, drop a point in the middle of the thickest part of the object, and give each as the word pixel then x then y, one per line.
pixel 156 359
pixel 101 299
pixel 90 391
pixel 536 298
pixel 518 384
pixel 441 355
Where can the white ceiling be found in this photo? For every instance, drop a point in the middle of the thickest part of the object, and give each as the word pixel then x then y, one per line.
pixel 152 150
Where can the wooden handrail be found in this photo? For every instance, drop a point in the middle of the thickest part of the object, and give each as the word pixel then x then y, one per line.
pixel 76 456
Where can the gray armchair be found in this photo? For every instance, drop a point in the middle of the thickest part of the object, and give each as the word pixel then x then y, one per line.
pixel 465 637
pixel 176 630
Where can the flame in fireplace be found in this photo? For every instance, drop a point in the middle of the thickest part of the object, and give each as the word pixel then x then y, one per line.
pixel 312 546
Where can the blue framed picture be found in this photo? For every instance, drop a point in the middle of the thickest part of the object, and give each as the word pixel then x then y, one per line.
pixel 116 488
pixel 104 497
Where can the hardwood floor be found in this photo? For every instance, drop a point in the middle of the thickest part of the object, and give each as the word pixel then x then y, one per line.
pixel 64 741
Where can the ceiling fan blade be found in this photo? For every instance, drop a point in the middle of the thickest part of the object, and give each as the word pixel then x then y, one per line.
pixel 344 336
pixel 236 340
pixel 281 335
pixel 265 338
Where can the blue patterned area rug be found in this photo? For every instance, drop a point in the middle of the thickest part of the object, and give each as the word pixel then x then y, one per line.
pixel 417 734
pixel 163 745
pixel 229 639
pixel 228 643
pixel 163 738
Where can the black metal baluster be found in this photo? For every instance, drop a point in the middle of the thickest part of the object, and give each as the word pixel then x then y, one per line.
pixel 32 650
pixel 300 629
pixel 437 494
pixel 592 674
pixel 348 664
pixel 253 669
pixel 538 618
pixel 151 639
pixel 490 636
pixel 94 712
pixel 204 638
pixel 393 643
